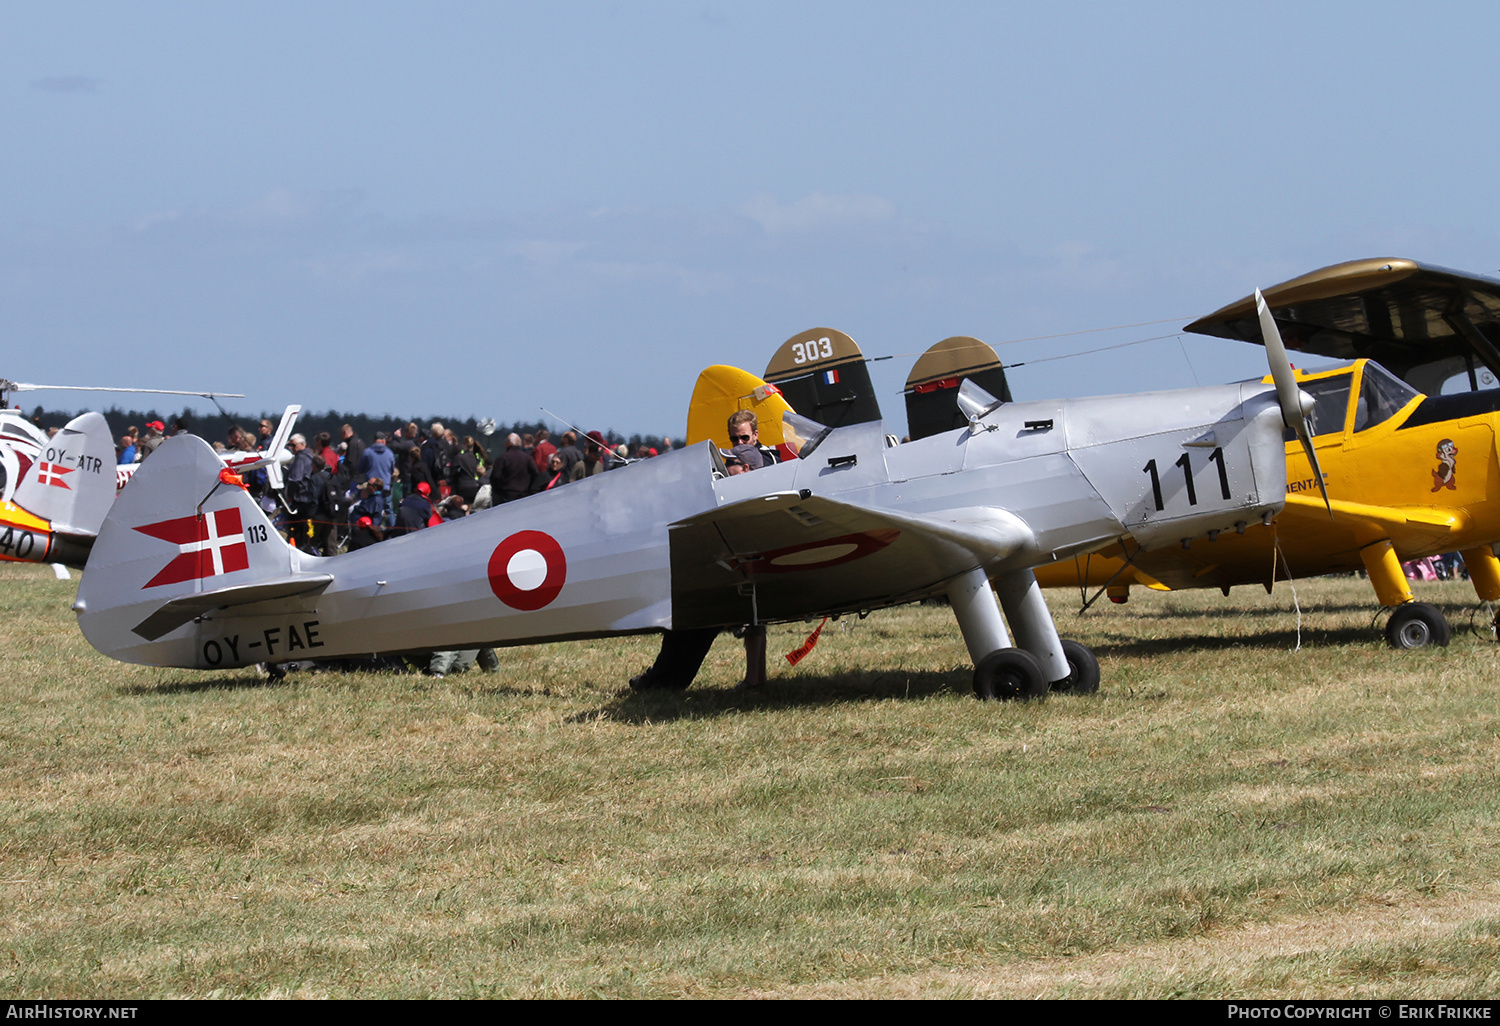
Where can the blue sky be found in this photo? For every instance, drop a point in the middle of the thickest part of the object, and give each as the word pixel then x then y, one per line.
pixel 486 208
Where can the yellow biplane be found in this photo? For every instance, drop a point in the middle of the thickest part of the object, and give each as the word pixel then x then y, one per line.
pixel 1408 475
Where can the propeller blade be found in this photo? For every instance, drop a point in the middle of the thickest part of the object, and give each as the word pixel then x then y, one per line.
pixel 1296 405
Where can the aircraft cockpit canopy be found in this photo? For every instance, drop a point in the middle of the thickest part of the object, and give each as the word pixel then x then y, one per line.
pixel 802 434
pixel 1381 396
pixel 1332 395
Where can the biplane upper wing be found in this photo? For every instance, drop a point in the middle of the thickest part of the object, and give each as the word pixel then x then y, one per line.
pixel 1421 322
pixel 789 555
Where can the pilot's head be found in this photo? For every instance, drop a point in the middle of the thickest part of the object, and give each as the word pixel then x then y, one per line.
pixel 744 429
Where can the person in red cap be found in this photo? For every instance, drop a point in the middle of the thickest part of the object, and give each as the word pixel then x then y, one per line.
pixel 417 511
pixel 364 532
pixel 152 438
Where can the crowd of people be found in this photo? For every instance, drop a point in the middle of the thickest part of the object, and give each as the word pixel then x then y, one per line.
pixel 345 493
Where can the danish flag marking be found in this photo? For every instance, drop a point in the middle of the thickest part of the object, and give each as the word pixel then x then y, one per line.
pixel 207 546
pixel 52 474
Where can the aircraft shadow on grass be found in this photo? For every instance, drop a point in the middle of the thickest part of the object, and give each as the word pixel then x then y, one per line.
pixel 224 682
pixel 850 688
pixel 1312 637
pixel 1458 606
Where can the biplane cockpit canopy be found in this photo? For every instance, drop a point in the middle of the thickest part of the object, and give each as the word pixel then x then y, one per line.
pixel 1378 396
pixel 1423 323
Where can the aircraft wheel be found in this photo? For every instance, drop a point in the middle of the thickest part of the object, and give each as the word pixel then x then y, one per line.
pixel 1083 670
pixel 1008 673
pixel 1416 625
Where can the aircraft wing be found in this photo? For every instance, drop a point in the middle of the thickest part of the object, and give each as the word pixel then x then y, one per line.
pixel 1402 314
pixel 1305 541
pixel 791 555
pixel 1411 528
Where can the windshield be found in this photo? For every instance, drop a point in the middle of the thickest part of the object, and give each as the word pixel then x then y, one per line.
pixel 801 433
pixel 1381 396
pixel 1332 395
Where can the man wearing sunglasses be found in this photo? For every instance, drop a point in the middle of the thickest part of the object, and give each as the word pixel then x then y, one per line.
pixel 744 429
pixel 683 651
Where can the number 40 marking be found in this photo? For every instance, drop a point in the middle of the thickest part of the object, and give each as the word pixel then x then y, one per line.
pixel 1217 456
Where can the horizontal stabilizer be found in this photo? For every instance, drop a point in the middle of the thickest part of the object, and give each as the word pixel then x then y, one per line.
pixel 179 611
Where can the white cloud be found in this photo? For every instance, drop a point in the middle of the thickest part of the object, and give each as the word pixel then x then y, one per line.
pixel 816 210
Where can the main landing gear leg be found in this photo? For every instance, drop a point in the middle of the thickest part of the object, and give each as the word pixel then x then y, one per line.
pixel 1000 671
pixel 1029 617
pixel 1069 665
pixel 1414 624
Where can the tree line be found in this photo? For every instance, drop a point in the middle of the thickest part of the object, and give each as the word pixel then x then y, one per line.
pixel 309 423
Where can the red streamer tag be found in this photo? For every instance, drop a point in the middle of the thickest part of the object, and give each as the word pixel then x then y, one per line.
pixel 799 653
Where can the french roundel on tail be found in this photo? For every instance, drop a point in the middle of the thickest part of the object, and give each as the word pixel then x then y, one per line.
pixel 932 387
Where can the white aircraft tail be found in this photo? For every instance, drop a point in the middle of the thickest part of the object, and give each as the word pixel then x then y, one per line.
pixel 72 482
pixel 274 456
pixel 185 539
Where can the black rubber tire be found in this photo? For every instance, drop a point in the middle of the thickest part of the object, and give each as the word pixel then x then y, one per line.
pixel 1009 673
pixel 1417 625
pixel 1083 670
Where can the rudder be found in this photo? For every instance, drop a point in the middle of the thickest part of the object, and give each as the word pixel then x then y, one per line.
pixel 184 528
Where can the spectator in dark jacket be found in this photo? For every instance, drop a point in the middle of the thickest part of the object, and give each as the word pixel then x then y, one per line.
pixel 514 474
pixel 416 510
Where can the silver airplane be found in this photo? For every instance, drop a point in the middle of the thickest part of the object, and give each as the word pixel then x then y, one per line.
pixel 188 572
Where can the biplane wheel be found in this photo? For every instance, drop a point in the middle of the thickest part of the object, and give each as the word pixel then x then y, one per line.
pixel 1416 625
pixel 1008 673
pixel 1083 670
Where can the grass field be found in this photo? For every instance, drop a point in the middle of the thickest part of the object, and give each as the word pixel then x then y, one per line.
pixel 1226 818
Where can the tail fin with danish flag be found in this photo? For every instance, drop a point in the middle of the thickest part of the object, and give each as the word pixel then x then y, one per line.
pixel 73 481
pixel 184 539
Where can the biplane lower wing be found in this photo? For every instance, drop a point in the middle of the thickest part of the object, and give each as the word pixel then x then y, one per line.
pixel 1303 541
pixel 1416 527
pixel 790 555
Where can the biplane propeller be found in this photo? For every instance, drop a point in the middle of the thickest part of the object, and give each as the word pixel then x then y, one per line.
pixel 1401 475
